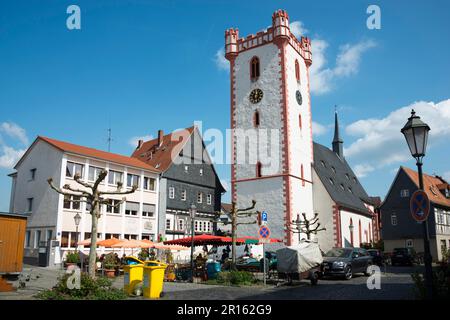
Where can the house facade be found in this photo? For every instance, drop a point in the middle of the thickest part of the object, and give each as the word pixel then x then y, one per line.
pixel 187 178
pixel 400 230
pixel 343 206
pixel 51 216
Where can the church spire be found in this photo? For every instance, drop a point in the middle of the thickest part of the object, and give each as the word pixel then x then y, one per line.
pixel 337 141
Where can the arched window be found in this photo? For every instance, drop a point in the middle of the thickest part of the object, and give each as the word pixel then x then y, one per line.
pixel 300 121
pixel 258 170
pixel 256 119
pixel 254 68
pixel 360 233
pixel 297 70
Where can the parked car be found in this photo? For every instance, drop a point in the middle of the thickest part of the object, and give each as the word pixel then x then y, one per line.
pixel 255 265
pixel 404 256
pixel 345 262
pixel 377 257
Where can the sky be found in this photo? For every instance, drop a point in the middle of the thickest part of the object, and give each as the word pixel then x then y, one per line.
pixel 139 66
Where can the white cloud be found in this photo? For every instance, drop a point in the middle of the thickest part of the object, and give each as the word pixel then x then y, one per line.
pixel 10 156
pixel 14 131
pixel 298 29
pixel 361 170
pixel 134 140
pixel 318 129
pixel 446 176
pixel 347 63
pixel 379 142
pixel 221 62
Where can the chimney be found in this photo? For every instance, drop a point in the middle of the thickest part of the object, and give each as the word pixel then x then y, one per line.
pixel 160 137
pixel 140 142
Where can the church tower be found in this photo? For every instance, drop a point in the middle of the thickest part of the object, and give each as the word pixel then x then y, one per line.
pixel 272 150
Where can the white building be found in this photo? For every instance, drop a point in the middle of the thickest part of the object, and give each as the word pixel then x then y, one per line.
pixel 52 218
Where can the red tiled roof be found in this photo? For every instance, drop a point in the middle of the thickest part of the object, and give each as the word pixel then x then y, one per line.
pixel 160 157
pixel 430 185
pixel 98 154
pixel 227 207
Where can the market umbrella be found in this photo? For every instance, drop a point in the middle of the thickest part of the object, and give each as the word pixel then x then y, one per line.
pixel 86 242
pixel 131 244
pixel 108 243
pixel 200 240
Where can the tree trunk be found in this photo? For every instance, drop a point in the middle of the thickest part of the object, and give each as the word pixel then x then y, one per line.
pixel 93 247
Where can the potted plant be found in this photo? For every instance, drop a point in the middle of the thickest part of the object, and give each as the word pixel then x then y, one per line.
pixel 72 259
pixel 110 264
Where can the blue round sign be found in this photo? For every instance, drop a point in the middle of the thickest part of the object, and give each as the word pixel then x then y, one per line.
pixel 264 232
pixel 420 206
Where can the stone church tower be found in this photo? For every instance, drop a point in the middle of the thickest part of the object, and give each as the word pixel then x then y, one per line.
pixel 272 148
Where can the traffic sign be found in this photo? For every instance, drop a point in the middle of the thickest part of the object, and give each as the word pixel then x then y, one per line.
pixel 264 233
pixel 419 206
pixel 264 217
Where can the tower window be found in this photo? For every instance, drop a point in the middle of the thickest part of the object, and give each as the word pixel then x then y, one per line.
pixel 256 119
pixel 254 68
pixel 259 170
pixel 297 70
pixel 300 121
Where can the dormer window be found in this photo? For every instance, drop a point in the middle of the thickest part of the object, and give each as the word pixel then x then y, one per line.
pixel 254 68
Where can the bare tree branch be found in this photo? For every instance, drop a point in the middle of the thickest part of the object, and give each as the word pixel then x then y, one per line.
pixel 68 187
pixel 100 178
pixel 118 192
pixel 50 182
pixel 77 178
pixel 239 223
pixel 249 208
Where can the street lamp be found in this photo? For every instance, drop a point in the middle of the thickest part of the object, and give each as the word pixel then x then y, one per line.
pixel 416 135
pixel 77 219
pixel 192 213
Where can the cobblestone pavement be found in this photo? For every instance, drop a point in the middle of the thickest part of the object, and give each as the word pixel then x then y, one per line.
pixel 396 284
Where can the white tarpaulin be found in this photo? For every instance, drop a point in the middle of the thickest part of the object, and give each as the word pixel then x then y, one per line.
pixel 300 258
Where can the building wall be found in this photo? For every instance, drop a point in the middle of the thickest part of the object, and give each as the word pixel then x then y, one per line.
pixel 366 224
pixel 323 205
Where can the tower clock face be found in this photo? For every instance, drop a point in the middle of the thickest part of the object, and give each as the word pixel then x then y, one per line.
pixel 256 95
pixel 298 96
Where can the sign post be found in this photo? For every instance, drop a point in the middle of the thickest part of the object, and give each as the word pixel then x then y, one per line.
pixel 264 237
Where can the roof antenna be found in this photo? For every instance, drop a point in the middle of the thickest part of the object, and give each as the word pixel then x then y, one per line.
pixel 109 139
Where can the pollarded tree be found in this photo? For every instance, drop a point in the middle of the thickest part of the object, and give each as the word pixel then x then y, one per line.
pixel 95 198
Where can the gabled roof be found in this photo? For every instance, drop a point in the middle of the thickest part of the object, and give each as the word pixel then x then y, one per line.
pixel 431 186
pixel 92 153
pixel 226 207
pixel 328 166
pixel 160 156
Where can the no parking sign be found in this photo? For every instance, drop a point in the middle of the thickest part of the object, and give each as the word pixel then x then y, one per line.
pixel 419 206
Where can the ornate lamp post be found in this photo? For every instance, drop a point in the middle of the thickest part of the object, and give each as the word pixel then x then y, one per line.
pixel 192 213
pixel 77 219
pixel 416 135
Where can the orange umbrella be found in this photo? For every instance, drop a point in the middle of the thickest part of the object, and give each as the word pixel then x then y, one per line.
pixel 86 242
pixel 108 243
pixel 131 244
pixel 163 246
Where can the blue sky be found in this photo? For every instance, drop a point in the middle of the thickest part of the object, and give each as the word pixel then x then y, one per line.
pixel 140 66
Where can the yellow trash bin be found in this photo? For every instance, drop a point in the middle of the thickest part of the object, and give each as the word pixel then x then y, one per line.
pixel 133 275
pixel 153 279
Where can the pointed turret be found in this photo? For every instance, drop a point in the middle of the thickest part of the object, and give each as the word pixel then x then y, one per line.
pixel 338 143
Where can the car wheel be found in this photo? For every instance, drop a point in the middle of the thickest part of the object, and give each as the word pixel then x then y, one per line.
pixel 348 273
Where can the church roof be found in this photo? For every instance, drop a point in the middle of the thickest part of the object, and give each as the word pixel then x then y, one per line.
pixel 339 180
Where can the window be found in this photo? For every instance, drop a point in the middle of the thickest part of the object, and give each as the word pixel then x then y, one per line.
pixel 196 226
pixel 199 197
pixel 112 235
pixel 32 174
pixel 254 68
pixel 186 169
pixel 114 177
pixel 333 169
pixel 132 180
pixel 74 168
pixel 297 70
pixel 300 121
pixel 94 172
pixel 37 238
pixel 149 184
pixel 208 199
pixel 322 163
pixel 256 119
pixel 73 239
pixel 342 187
pixel 171 193
pixel 350 190
pixel 168 224
pixel 201 172
pixel 347 176
pixel 27 239
pixel 259 170
pixel 113 206
pixel 131 236
pixel 393 219
pixel 131 208
pixel 331 181
pixel 148 210
pixel 30 204
pixel 409 243
pixel 72 202
pixel 64 239
pixel 404 193
pixel 48 235
pixel 183 195
pixel 180 224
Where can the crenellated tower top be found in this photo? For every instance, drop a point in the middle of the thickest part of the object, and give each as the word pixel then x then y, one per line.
pixel 279 30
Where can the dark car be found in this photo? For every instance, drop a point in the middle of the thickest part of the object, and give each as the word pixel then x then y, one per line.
pixel 403 256
pixel 377 256
pixel 345 262
pixel 253 264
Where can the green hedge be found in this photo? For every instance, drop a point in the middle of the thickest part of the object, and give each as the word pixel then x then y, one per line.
pixel 235 278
